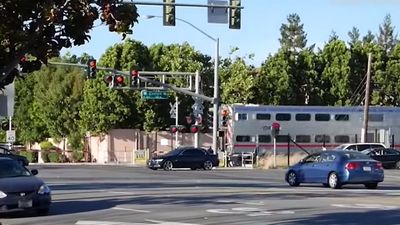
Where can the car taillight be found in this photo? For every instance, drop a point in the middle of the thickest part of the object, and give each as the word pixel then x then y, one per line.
pixel 352 166
pixel 379 165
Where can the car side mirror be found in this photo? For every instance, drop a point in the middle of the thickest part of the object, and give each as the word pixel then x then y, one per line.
pixel 35 172
pixel 302 161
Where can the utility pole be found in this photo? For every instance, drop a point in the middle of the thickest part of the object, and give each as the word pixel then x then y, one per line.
pixel 366 103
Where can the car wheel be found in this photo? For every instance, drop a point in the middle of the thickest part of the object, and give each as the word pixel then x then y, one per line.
pixel 333 181
pixel 193 168
pixel 207 165
pixel 397 166
pixel 371 185
pixel 292 179
pixel 43 212
pixel 168 165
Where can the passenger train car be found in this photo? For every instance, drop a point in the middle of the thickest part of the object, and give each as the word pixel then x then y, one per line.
pixel 248 127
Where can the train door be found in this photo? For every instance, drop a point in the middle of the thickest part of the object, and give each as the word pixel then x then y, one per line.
pixel 378 135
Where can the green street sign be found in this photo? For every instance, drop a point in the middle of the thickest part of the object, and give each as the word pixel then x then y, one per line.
pixel 146 94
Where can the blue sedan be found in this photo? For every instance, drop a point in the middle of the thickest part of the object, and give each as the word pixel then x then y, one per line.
pixel 336 168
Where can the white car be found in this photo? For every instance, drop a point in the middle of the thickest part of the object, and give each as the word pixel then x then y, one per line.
pixel 359 146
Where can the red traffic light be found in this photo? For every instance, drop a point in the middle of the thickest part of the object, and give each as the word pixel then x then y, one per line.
pixel 119 79
pixel 174 130
pixel 194 129
pixel 92 63
pixel 134 73
pixel 275 126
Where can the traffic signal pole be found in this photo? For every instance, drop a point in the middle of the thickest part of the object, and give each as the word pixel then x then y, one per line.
pixel 197 91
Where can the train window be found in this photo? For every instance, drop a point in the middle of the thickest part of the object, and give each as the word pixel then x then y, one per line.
pixel 342 139
pixel 282 138
pixel 242 116
pixel 263 116
pixel 322 117
pixel 303 138
pixel 303 117
pixel 342 117
pixel 264 138
pixel 283 116
pixel 375 117
pixel 321 138
pixel 243 138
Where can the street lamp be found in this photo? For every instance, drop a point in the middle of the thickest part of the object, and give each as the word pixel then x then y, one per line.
pixel 216 98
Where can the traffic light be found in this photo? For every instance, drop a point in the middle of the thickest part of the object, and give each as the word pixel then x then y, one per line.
pixel 119 80
pixel 135 77
pixel 234 15
pixel 28 66
pixel 5 125
pixel 224 117
pixel 109 79
pixel 275 127
pixel 194 128
pixel 92 69
pixel 169 13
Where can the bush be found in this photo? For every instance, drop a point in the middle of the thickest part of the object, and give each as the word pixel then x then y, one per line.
pixel 30 155
pixel 54 157
pixel 46 145
pixel 77 156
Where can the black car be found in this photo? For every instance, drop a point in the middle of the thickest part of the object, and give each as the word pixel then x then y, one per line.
pixel 389 157
pixel 4 152
pixel 20 190
pixel 185 157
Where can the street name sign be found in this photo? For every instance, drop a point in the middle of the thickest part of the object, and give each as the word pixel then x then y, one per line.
pixel 146 94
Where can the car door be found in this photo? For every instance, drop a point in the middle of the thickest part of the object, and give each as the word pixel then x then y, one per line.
pixel 309 168
pixel 190 158
pixel 325 165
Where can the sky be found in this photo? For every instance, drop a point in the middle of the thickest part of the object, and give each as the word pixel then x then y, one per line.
pixel 259 33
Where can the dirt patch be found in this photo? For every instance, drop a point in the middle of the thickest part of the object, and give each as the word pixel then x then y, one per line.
pixel 267 162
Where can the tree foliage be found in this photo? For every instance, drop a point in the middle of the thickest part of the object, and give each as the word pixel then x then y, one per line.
pixel 42 28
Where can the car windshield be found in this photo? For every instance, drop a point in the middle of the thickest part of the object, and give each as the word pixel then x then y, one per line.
pixel 11 168
pixel 355 155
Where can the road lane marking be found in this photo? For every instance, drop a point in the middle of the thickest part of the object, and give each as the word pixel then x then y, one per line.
pixel 152 222
pixel 248 211
pixel 133 210
pixel 366 206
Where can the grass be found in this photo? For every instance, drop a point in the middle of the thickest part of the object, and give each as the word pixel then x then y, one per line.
pixel 267 162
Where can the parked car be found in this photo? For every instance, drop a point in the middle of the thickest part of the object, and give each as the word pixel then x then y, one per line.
pixel 5 152
pixel 185 157
pixel 334 168
pixel 389 157
pixel 359 146
pixel 20 190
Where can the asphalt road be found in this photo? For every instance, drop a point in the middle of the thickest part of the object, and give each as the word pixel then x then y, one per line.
pixel 116 195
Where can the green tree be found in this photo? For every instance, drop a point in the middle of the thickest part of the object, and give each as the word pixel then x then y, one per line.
pixel 274 81
pixel 354 36
pixel 293 36
pixel 42 28
pixel 336 72
pixel 386 37
pixel 239 83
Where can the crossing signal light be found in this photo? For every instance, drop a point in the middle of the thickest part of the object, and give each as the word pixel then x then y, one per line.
pixel 176 128
pixel 224 117
pixel 92 69
pixel 173 129
pixel 195 128
pixel 169 13
pixel 234 15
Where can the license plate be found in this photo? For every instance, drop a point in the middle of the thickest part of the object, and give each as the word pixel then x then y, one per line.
pixel 367 168
pixel 25 204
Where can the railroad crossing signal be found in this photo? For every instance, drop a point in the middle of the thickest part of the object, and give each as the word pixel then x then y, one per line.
pixel 172 112
pixel 92 69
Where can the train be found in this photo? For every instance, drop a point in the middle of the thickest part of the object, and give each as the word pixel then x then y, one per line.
pixel 247 127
